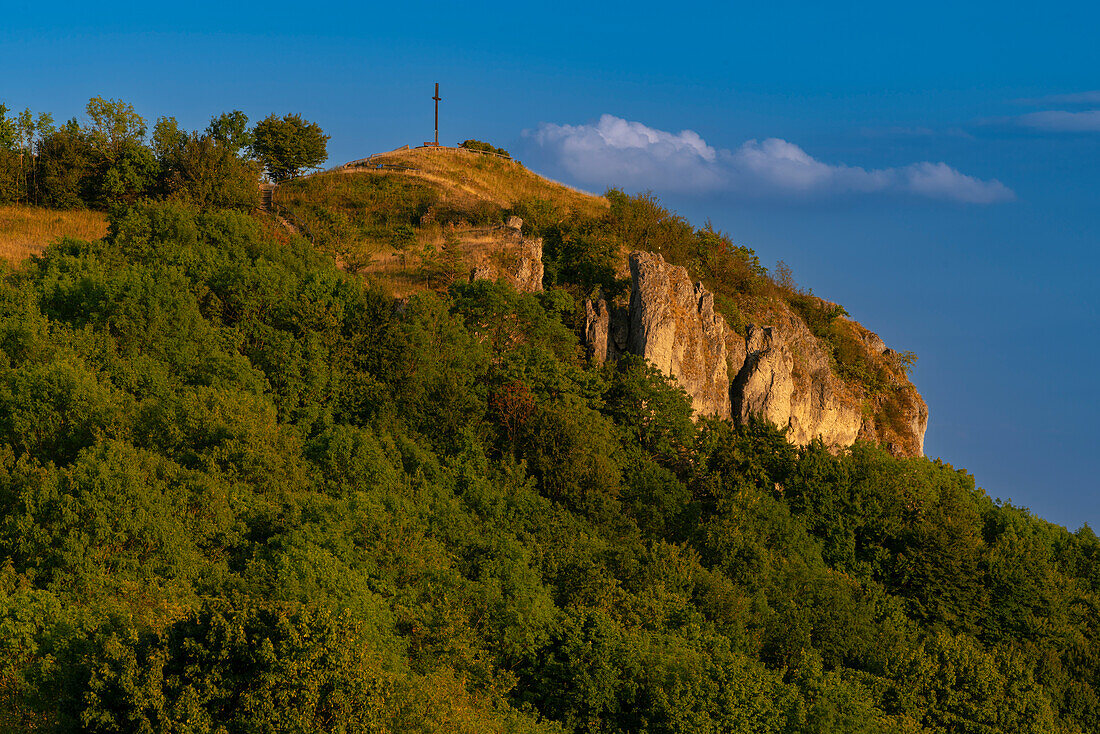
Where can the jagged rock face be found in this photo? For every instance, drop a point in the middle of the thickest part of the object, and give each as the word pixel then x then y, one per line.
pixel 764 385
pixel 780 372
pixel 801 395
pixel 527 271
pixel 597 329
pixel 917 422
pixel 674 326
pixel 605 329
pixel 904 422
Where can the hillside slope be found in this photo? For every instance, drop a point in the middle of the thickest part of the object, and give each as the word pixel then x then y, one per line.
pixel 703 309
pixel 244 491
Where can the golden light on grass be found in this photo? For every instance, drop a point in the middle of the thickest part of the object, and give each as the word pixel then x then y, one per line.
pixel 437 195
pixel 26 230
pixel 490 178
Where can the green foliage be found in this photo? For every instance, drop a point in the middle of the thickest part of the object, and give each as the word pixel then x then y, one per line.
pixel 168 140
pixel 66 161
pixel 484 147
pixel 850 357
pixel 358 215
pixel 114 127
pixel 241 490
pixel 538 214
pixel 253 669
pixel 7 129
pixel 102 164
pixel 20 136
pixel 231 130
pixel 286 145
pixel 108 161
pixel 11 179
pixel 819 315
pixel 206 173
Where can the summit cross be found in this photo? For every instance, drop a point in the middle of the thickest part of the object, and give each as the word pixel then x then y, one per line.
pixel 436 98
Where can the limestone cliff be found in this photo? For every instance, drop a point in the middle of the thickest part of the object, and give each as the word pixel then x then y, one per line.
pixel 800 394
pixel 673 325
pixel 904 411
pixel 606 324
pixel 778 369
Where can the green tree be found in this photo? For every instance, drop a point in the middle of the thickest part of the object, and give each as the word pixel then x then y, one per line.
pixel 7 129
pixel 125 168
pixel 9 158
pixel 65 164
pixel 207 174
pixel 19 138
pixel 258 669
pixel 231 130
pixel 130 174
pixel 114 123
pixel 168 140
pixel 288 145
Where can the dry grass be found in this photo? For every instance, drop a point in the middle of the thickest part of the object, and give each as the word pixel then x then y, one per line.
pixel 26 230
pixel 490 178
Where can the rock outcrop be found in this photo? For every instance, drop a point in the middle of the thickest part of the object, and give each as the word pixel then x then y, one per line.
pixel 904 412
pixel 526 270
pixel 781 371
pixel 801 395
pixel 606 324
pixel 503 253
pixel 673 325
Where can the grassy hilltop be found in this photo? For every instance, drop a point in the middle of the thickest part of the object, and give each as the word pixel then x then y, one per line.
pixel 396 215
pixel 243 489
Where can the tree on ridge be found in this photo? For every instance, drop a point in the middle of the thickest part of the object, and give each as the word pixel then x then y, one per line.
pixel 288 145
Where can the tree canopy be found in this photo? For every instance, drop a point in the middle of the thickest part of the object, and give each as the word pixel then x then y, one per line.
pixel 112 158
pixel 288 145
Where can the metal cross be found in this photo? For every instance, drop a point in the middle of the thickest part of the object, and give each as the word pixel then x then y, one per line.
pixel 436 98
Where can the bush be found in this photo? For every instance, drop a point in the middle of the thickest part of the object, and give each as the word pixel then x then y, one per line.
pixel 483 147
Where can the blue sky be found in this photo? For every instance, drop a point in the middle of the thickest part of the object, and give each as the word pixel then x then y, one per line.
pixel 932 167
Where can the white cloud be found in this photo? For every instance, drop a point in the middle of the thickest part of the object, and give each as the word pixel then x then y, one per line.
pixel 1062 121
pixel 941 181
pixel 618 152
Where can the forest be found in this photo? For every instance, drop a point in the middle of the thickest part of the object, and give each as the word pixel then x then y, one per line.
pixel 243 490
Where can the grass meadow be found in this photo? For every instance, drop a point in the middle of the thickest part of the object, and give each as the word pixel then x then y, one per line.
pixel 26 230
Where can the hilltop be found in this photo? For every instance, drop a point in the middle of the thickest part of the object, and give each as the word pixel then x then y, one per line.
pixel 418 217
pixel 422 219
pixel 480 176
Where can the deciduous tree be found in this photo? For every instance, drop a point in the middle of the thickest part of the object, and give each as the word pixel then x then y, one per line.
pixel 288 145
